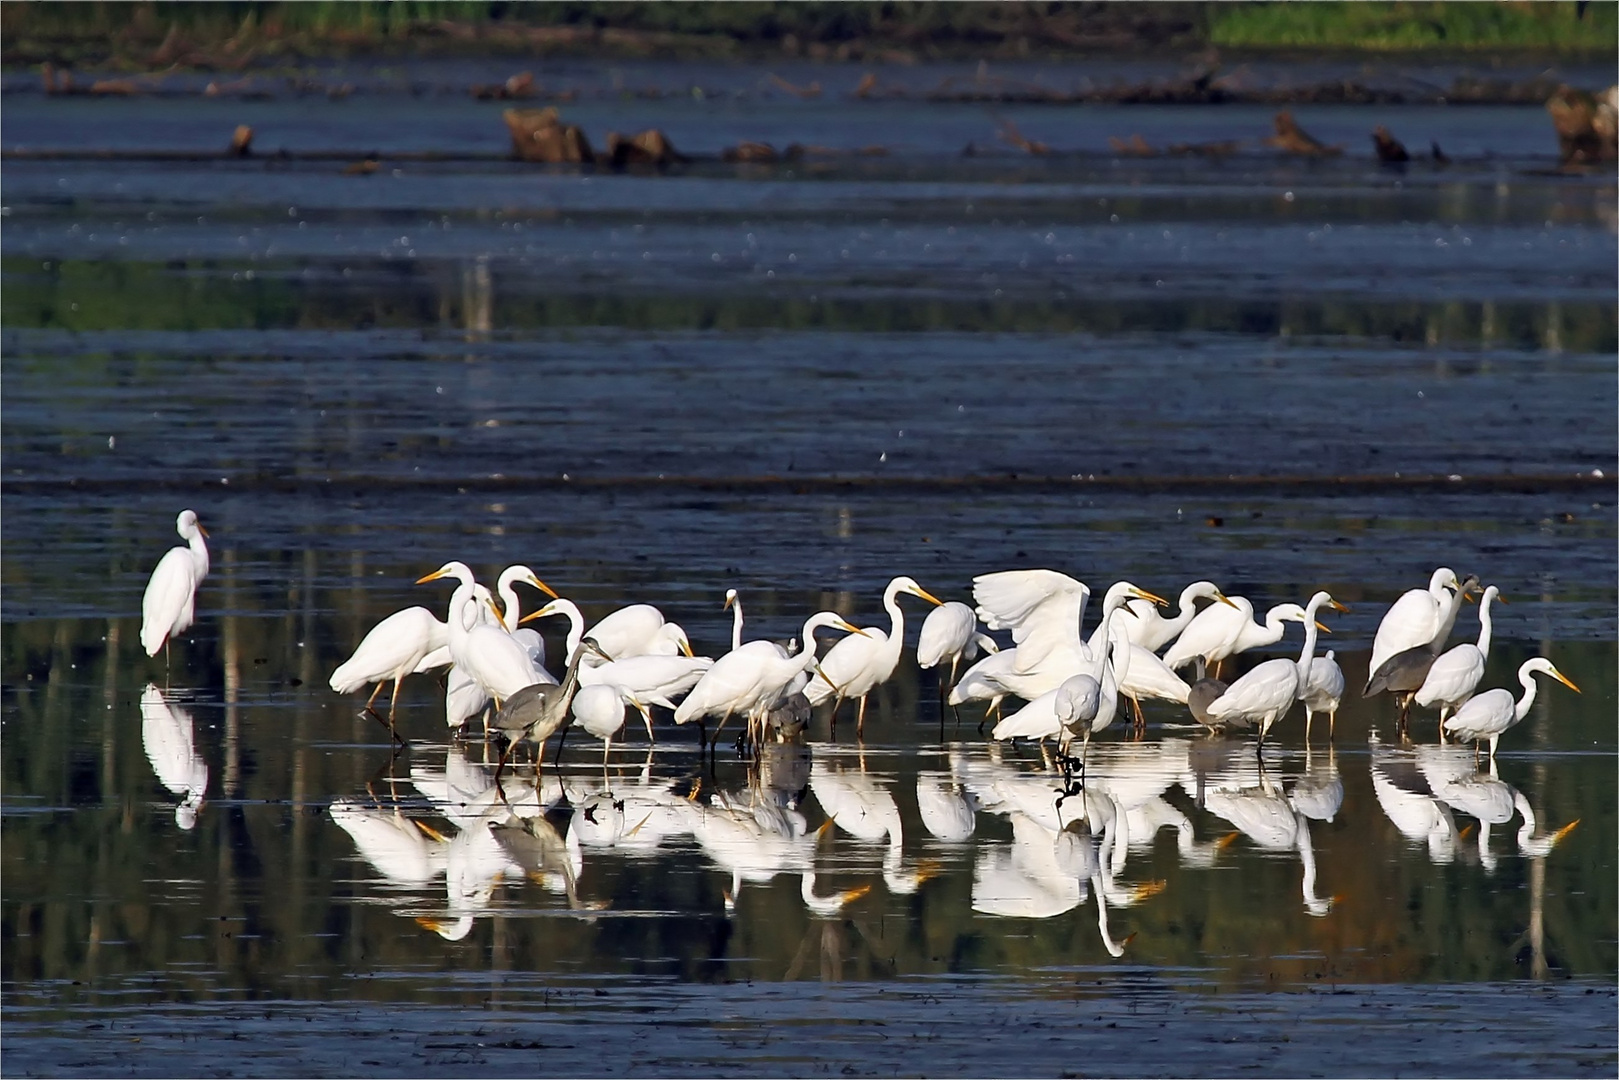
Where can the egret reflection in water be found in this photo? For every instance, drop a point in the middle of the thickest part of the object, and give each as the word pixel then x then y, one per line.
pixel 168 734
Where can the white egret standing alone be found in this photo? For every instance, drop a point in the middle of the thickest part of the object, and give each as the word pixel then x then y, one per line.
pixel 856 665
pixel 169 604
pixel 1493 712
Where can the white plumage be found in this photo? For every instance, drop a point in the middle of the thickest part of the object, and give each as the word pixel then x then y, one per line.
pixel 1265 694
pixel 1223 630
pixel 1152 631
pixel 1323 691
pixel 1416 617
pixel 168 606
pixel 861 662
pixel 1455 676
pixel 1493 712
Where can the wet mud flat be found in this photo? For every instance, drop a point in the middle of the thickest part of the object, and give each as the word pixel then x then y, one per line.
pixel 1087 1024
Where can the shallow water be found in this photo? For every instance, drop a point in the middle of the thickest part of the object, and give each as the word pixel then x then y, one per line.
pixel 798 382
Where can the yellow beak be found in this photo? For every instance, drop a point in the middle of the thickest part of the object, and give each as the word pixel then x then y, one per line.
pixel 202 530
pixel 542 586
pixel 1323 627
pixel 434 576
pixel 1145 595
pixel 685 648
pixel 1565 680
pixel 1220 596
pixel 929 597
pixel 1334 605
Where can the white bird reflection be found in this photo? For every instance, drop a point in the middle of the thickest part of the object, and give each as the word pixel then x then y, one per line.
pixel 949 813
pixel 1242 792
pixel 168 735
pixel 1045 873
pixel 402 850
pixel 862 806
pixel 1407 800
pixel 1063 849
pixel 754 838
pixel 1453 775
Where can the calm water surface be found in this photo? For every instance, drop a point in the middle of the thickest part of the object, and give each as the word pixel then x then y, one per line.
pixel 797 382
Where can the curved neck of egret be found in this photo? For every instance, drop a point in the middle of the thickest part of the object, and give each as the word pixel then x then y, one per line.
pixel 736 621
pixel 1484 627
pixel 1526 676
pixel 513 607
pixel 576 624
pixel 896 636
pixel 199 550
pixel 1307 654
pixel 1187 609
pixel 1273 629
pixel 805 660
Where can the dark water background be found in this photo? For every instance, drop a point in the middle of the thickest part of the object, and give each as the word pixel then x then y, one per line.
pixel 798 381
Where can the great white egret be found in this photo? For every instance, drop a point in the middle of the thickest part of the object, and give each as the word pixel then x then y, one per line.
pixel 168 606
pixel 600 711
pixel 1152 631
pixel 1265 694
pixel 1489 714
pixel 950 632
pixel 749 679
pixel 638 630
pixel 1044 610
pixel 1418 617
pixel 1454 677
pixel 1222 630
pixel 499 663
pixel 856 665
pixel 1323 692
pixel 390 650
pixel 1038 719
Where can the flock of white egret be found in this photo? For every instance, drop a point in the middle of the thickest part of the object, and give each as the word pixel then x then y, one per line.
pixel 1071 684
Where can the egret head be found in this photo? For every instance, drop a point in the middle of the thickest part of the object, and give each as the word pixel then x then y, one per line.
pixel 553 608
pixel 903 584
pixel 1203 589
pixel 523 574
pixel 730 598
pixel 1540 663
pixel 453 568
pixel 188 526
pixel 676 634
